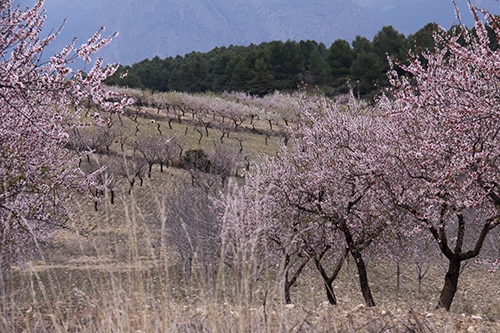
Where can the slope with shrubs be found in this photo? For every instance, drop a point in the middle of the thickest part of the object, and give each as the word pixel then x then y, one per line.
pixel 153 260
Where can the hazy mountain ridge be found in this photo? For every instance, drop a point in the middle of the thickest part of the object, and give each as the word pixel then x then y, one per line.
pixel 176 27
pixel 169 28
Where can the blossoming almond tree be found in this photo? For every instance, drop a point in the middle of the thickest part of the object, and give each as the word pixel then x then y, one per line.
pixel 329 176
pixel 40 102
pixel 446 162
pixel 338 159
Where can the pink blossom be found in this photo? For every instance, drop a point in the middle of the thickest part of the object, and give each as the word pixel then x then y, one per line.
pixel 37 173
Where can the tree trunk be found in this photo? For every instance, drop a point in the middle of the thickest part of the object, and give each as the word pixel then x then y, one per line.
pixel 287 296
pixel 328 280
pixel 360 264
pixel 363 277
pixel 150 168
pixel 287 283
pixel 419 277
pixel 450 284
pixel 286 291
pixel 398 276
pixel 421 272
pixel 456 256
pixel 330 295
pixel 132 182
pixel 290 281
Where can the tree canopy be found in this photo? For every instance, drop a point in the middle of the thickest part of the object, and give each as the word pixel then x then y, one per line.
pixel 40 103
pixel 282 65
pixel 422 162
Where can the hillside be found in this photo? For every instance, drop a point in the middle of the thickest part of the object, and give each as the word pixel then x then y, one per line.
pixel 124 272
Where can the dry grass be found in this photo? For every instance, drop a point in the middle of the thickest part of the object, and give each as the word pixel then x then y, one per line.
pixel 118 279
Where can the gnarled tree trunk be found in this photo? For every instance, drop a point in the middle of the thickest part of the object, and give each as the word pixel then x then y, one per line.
pixel 450 284
pixel 363 277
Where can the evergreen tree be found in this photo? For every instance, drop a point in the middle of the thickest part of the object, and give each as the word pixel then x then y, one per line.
pixel 239 72
pixel 367 72
pixel 152 74
pixel 262 81
pixel 318 70
pixel 340 59
pixel 389 41
pixel 361 44
pixel 288 64
pixel 219 75
pixel 423 39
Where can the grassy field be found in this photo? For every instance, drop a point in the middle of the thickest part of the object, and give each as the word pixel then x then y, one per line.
pixel 119 274
pixel 118 279
pixel 254 144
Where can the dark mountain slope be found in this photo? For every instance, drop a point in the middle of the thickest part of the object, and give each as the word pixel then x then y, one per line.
pixel 171 27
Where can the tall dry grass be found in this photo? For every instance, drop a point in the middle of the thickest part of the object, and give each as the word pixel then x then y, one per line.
pixel 123 276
